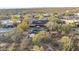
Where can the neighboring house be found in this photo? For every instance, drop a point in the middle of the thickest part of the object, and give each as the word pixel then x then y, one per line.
pixel 4 22
pixel 77 14
pixel 34 30
pixel 70 19
pixel 39 23
pixel 46 15
pixel 36 26
pixel 8 23
pixel 75 30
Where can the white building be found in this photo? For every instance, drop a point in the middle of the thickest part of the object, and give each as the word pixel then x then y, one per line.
pixel 4 22
pixel 77 14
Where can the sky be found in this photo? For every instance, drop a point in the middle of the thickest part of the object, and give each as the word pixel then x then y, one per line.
pixel 38 3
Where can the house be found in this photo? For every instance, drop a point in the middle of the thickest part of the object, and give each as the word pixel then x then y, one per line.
pixel 38 23
pixel 77 14
pixel 34 30
pixel 46 15
pixel 69 19
pixel 7 23
pixel 3 22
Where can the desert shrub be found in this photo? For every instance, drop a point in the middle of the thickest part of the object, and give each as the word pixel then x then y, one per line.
pixel 24 24
pixel 37 48
pixel 22 27
pixel 13 47
pixel 25 43
pixel 75 43
pixel 43 35
pixel 4 46
pixel 65 42
pixel 52 26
